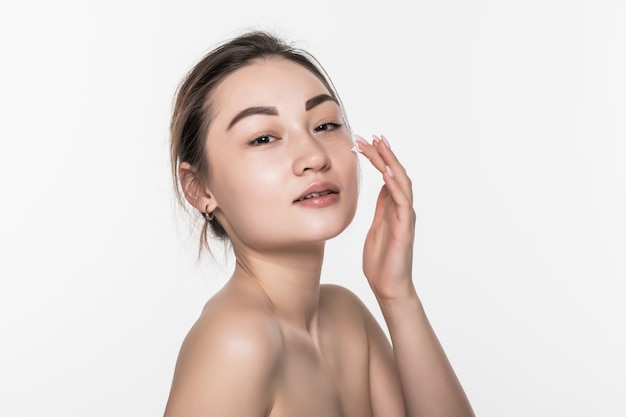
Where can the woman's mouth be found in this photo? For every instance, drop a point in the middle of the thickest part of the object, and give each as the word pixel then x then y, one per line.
pixel 318 195
pixel 313 195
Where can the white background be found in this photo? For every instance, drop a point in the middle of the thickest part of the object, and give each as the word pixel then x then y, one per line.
pixel 510 117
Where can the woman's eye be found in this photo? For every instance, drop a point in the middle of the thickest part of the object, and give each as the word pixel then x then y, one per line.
pixel 262 140
pixel 327 127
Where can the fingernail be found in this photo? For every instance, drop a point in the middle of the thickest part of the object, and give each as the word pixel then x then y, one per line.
pixel 358 138
pixel 385 141
pixel 389 171
pixel 375 139
pixel 356 148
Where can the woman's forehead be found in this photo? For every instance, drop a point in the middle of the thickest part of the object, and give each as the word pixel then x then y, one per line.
pixel 265 83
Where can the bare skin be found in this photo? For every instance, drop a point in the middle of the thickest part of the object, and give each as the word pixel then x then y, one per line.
pixel 267 366
pixel 273 341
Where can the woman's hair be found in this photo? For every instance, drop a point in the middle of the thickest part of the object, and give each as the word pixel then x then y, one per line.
pixel 192 112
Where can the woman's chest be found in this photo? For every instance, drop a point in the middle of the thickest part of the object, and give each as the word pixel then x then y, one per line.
pixel 328 377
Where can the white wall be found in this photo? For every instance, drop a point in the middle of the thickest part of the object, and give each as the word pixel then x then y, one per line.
pixel 510 117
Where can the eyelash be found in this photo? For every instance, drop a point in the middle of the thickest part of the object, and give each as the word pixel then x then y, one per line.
pixel 328 127
pixel 257 141
pixel 324 127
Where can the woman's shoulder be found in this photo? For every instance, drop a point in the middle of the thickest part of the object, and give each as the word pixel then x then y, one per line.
pixel 230 325
pixel 230 332
pixel 344 312
pixel 342 304
pixel 337 296
pixel 232 348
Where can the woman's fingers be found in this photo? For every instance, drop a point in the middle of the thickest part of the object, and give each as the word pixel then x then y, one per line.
pixel 396 167
pixel 384 160
pixel 401 199
pixel 371 153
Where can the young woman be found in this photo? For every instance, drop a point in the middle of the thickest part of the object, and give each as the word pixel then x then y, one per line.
pixel 261 148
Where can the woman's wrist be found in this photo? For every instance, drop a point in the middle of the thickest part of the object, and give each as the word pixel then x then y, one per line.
pixel 398 299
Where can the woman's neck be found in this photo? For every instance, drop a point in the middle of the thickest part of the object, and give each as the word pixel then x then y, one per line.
pixel 290 279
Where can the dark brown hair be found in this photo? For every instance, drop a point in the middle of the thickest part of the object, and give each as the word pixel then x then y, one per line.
pixel 192 109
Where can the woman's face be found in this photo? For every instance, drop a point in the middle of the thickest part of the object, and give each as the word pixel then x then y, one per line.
pixel 281 168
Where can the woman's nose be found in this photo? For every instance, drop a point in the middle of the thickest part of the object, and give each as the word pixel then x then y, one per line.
pixel 309 154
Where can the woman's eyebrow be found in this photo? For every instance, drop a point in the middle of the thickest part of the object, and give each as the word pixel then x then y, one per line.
pixel 272 111
pixel 266 110
pixel 317 100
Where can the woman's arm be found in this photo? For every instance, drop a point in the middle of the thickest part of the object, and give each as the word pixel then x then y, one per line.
pixel 429 384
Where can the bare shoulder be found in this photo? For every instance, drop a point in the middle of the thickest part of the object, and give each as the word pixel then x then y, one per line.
pixel 233 328
pixel 337 299
pixel 342 312
pixel 233 351
pixel 340 305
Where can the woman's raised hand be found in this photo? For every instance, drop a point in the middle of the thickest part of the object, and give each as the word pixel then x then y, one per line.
pixel 388 251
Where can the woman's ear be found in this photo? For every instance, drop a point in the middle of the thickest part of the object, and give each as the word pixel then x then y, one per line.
pixel 195 190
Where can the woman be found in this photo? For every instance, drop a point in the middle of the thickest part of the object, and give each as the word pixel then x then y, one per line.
pixel 261 148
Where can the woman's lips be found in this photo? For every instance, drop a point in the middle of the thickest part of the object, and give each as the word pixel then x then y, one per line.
pixel 318 195
pixel 318 200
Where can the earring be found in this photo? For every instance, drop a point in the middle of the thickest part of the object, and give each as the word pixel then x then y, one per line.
pixel 207 214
